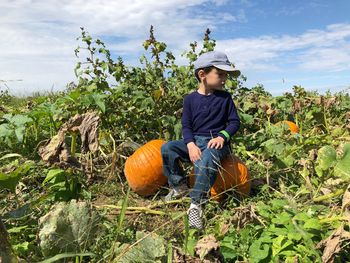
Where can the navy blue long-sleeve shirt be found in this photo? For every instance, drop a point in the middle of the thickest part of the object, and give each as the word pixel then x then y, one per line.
pixel 207 115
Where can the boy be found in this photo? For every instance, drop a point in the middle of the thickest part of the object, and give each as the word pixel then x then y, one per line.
pixel 209 120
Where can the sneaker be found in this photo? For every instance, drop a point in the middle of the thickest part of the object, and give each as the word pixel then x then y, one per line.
pixel 195 217
pixel 176 192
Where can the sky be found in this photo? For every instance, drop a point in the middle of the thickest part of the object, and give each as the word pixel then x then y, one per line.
pixel 276 43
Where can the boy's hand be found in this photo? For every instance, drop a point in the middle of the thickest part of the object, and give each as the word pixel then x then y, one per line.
pixel 216 143
pixel 194 152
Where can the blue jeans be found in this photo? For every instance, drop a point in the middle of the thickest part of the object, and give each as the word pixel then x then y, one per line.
pixel 205 168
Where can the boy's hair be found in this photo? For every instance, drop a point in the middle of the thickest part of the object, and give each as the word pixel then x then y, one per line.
pixel 206 70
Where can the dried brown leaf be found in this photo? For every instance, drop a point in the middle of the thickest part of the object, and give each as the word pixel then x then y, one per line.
pixel 56 150
pixel 346 203
pixel 51 151
pixel 332 244
pixel 206 245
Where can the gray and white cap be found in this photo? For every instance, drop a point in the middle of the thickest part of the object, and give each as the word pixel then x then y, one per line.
pixel 217 59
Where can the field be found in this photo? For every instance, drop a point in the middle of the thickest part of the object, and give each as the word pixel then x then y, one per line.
pixel 64 196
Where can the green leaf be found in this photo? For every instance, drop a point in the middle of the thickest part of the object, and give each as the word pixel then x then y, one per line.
pixel 150 249
pixel 281 219
pixel 123 210
pixel 278 203
pixel 326 158
pixel 313 223
pixel 10 155
pixel 247 118
pixel 20 133
pixel 20 120
pixel 342 168
pixel 228 250
pixel 21 247
pixel 258 251
pixel 279 244
pixel 52 174
pixel 10 180
pixel 263 209
pixel 99 101
pixel 17 229
pixel 274 147
pixel 293 235
pixel 70 226
pixel 5 130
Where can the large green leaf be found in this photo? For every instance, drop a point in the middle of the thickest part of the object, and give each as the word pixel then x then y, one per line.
pixel 68 227
pixel 20 120
pixel 342 168
pixel 258 251
pixel 150 249
pixel 326 158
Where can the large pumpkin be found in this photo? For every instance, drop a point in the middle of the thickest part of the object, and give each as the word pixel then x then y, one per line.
pixel 292 126
pixel 144 168
pixel 233 173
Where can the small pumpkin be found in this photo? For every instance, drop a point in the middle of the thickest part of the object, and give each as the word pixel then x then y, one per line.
pixel 233 173
pixel 292 126
pixel 144 168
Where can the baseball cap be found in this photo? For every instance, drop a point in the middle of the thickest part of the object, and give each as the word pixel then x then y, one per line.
pixel 217 59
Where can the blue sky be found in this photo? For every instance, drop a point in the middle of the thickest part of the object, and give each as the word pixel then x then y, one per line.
pixel 275 43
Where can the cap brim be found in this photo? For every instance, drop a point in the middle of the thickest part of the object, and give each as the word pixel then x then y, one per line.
pixel 233 71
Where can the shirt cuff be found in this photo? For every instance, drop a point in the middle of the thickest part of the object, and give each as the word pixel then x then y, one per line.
pixel 224 134
pixel 188 141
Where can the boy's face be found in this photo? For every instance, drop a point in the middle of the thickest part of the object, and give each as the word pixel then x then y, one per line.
pixel 215 79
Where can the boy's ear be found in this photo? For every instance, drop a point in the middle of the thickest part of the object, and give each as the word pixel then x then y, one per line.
pixel 201 73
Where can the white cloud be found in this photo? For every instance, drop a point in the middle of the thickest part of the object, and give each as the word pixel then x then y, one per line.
pixel 313 50
pixel 38 33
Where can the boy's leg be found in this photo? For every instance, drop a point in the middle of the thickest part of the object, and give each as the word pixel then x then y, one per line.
pixel 205 175
pixel 206 170
pixel 172 152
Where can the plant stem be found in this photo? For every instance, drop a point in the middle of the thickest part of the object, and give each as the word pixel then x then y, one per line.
pixel 73 146
pixel 328 196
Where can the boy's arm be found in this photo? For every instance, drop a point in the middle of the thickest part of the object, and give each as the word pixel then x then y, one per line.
pixel 186 121
pixel 233 123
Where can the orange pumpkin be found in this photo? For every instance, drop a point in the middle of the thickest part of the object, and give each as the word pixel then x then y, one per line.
pixel 233 173
pixel 292 126
pixel 144 168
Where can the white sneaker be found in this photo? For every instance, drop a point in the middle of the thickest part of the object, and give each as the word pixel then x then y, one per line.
pixel 178 191
pixel 195 216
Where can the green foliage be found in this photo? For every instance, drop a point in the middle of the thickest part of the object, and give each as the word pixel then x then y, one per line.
pixel 63 185
pixel 327 160
pixel 12 172
pixel 13 127
pixel 143 102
